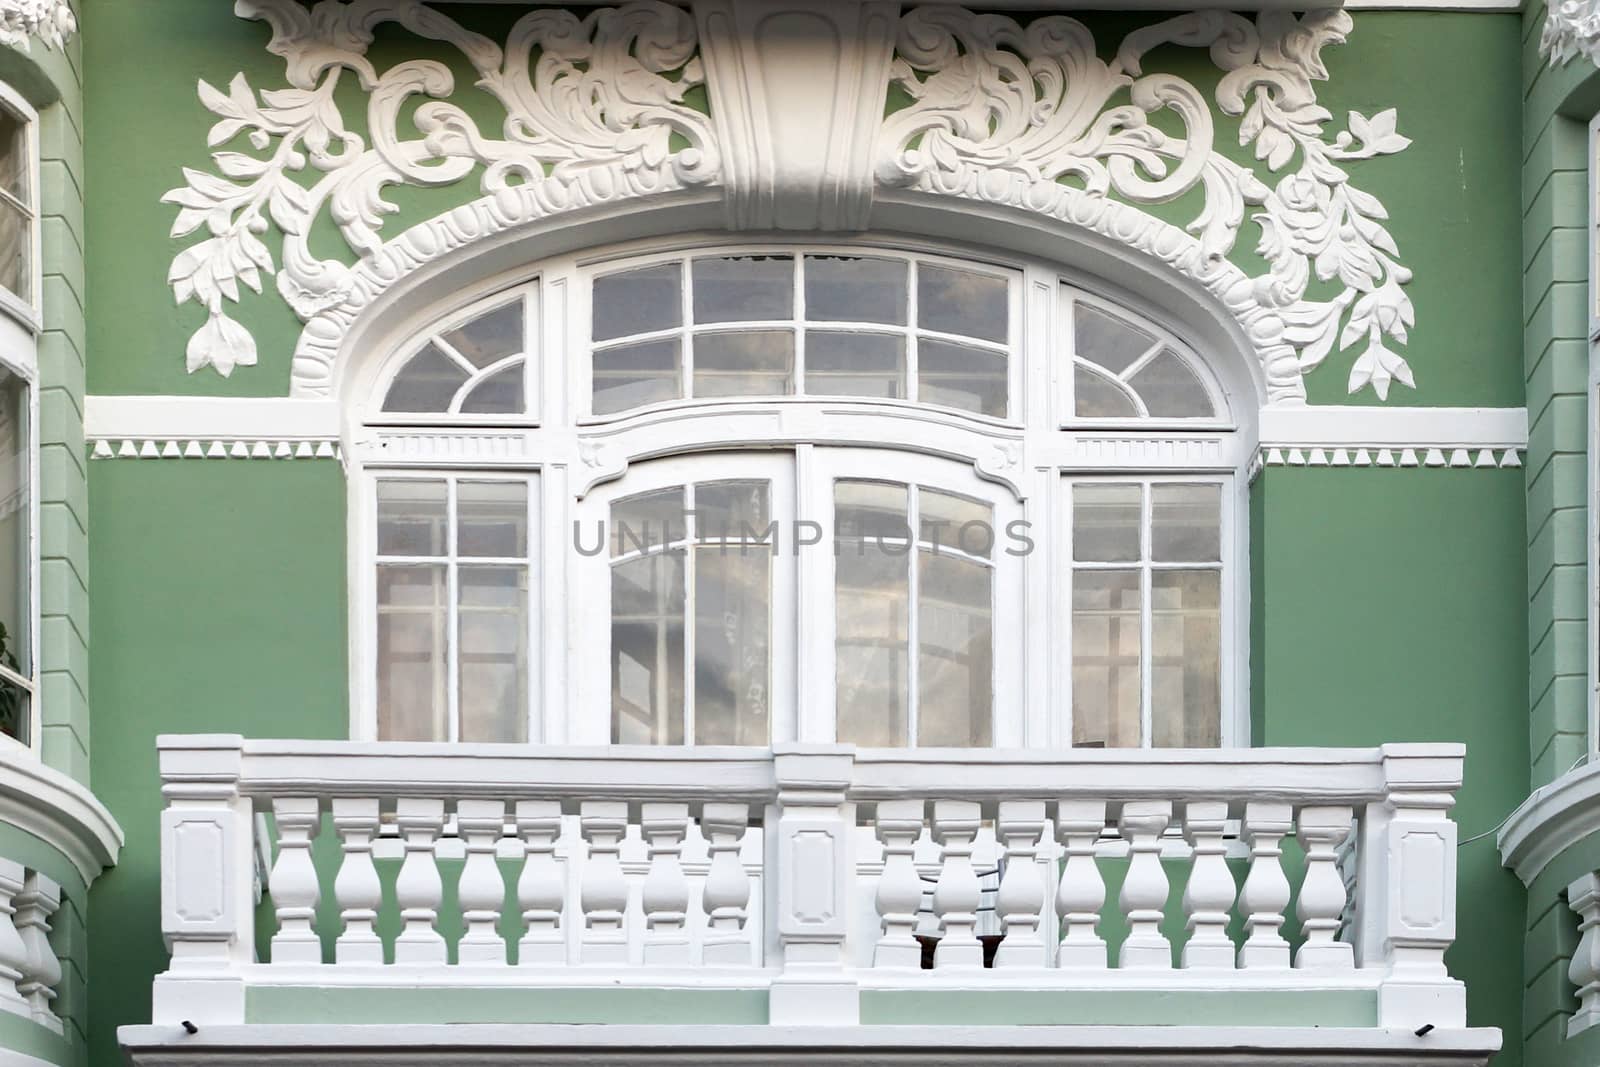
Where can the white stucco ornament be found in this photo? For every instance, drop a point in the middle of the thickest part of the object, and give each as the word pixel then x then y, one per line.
pixel 1571 28
pixel 1029 117
pixel 51 21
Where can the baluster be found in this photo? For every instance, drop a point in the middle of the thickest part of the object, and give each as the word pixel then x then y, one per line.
pixel 541 890
pixel 482 890
pixel 1144 890
pixel 1082 890
pixel 418 889
pixel 13 953
pixel 1266 890
pixel 725 897
pixel 665 893
pixel 1349 867
pixel 1208 898
pixel 293 882
pixel 356 886
pixel 1021 897
pixel 1583 897
pixel 604 892
pixel 899 824
pixel 38 901
pixel 958 892
pixel 1320 905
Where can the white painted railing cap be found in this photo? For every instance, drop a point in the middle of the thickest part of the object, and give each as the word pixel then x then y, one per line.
pixel 1433 766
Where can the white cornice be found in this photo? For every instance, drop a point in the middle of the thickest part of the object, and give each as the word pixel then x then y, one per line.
pixel 59 810
pixel 1550 821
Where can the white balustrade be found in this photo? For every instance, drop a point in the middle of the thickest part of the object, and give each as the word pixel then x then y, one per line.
pixel 1583 897
pixel 634 864
pixel 13 951
pixel 39 900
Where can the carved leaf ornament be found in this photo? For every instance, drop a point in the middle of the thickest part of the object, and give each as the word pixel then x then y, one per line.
pixel 595 110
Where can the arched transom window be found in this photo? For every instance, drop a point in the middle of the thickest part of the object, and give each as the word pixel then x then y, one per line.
pixel 862 493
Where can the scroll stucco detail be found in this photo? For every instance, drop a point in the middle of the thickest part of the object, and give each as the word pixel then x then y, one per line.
pixel 51 21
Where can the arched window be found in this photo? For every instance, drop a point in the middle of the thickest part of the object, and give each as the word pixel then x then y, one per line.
pixel 732 496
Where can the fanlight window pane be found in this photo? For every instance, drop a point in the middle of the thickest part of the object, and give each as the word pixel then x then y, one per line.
pixel 963 302
pixel 1108 342
pixel 726 575
pixel 427 383
pixel 892 597
pixel 16 563
pixel 1098 397
pixel 490 337
pixel 454 579
pixel 631 376
pixel 743 288
pixel 1147 583
pixel 1170 389
pixel 961 376
pixel 856 364
pixel 501 393
pixel 744 363
pixel 638 301
pixel 1123 370
pixel 856 289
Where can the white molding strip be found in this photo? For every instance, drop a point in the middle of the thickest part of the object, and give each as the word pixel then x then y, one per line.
pixel 1351 436
pixel 204 427
pixel 59 810
pixel 1553 819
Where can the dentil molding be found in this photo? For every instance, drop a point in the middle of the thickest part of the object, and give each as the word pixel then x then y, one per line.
pixel 599 109
pixel 51 21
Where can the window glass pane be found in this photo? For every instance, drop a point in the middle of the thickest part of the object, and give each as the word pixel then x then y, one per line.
pixel 1186 659
pixel 490 337
pixel 413 615
pixel 493 672
pixel 1186 523
pixel 427 383
pixel 1169 389
pixel 1105 522
pixel 960 376
pixel 14 155
pixel 962 302
pixel 1099 398
pixel 872 606
pixel 731 645
pixel 870 509
pixel 957 522
pixel 1105 659
pixel 499 394
pixel 15 711
pixel 630 376
pixel 955 684
pixel 856 364
pixel 647 603
pixel 736 510
pixel 16 609
pixel 743 288
pixel 647 520
pixel 411 517
pixel 638 301
pixel 856 289
pixel 1107 340
pixel 16 247
pixel 492 519
pixel 744 363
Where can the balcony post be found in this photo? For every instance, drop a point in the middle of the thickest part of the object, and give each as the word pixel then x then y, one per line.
pixel 207 891
pixel 810 851
pixel 1407 887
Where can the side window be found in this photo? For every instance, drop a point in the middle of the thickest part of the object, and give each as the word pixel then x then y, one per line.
pixel 19 213
pixel 17 677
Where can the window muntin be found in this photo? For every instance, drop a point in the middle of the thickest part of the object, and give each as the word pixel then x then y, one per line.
pixel 1148 579
pixel 18 684
pixel 873 325
pixel 19 214
pixel 481 365
pixel 1124 368
pixel 453 575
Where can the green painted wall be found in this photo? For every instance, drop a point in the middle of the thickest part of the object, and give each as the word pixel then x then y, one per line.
pixel 219 605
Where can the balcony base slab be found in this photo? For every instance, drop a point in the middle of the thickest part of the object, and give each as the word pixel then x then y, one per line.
pixel 852 1046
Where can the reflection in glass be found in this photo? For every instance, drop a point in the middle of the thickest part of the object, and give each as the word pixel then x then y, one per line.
pixel 1097 397
pixel 498 394
pixel 491 337
pixel 735 510
pixel 955 639
pixel 743 288
pixel 744 363
pixel 1105 522
pixel 427 383
pixel 492 519
pixel 647 684
pixel 628 376
pixel 956 522
pixel 855 364
pixel 1170 389
pixel 855 289
pixel 872 610
pixel 16 611
pixel 1105 658
pixel 1186 522
pixel 647 521
pixel 492 615
pixel 413 616
pixel 871 510
pixel 13 155
pixel 1106 340
pixel 637 301
pixel 961 376
pixel 412 517
pixel 1186 658
pixel 962 302
pixel 731 655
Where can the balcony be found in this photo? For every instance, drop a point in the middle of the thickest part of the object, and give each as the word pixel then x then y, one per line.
pixel 805 904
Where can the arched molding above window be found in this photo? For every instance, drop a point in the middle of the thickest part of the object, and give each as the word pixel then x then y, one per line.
pixel 641 158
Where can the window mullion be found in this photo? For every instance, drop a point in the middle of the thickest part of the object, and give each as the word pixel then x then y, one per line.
pixel 452 657
pixel 686 347
pixel 1146 620
pixel 913 629
pixel 912 391
pixel 690 564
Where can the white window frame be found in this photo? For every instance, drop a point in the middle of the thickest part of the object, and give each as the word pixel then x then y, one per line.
pixel 26 308
pixel 1592 467
pixel 1022 460
pixel 18 355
